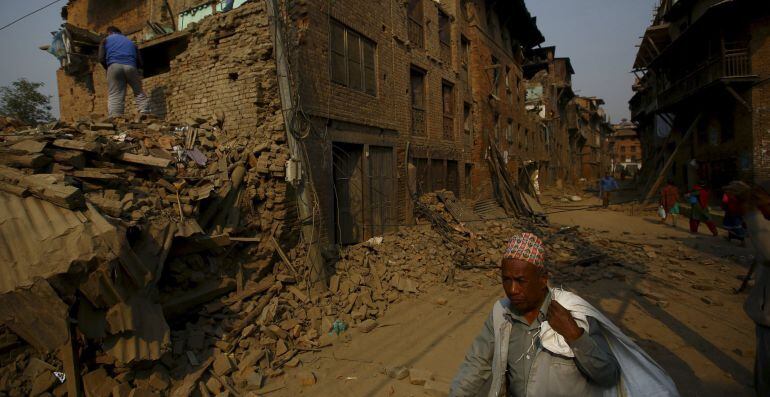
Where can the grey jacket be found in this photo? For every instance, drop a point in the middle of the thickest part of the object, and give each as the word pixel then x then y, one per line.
pixel 588 374
pixel 758 303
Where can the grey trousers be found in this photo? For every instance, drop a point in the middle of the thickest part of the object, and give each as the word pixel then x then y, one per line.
pixel 762 364
pixel 118 76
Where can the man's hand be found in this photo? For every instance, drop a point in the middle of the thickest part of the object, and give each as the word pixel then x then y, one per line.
pixel 562 322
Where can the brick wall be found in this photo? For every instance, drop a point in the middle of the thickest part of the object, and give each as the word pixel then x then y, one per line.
pixel 228 70
pixel 760 97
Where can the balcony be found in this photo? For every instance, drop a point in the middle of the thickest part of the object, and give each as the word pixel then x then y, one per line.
pixel 733 65
pixel 416 35
pixel 418 122
pixel 449 127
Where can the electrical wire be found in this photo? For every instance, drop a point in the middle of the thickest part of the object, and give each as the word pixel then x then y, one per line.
pixel 29 14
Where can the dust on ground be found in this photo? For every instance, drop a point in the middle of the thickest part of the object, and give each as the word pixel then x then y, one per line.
pixel 680 307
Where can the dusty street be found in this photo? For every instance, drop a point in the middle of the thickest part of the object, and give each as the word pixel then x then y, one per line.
pixel 681 310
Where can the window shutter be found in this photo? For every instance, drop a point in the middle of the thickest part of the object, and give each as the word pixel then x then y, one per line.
pixel 370 77
pixel 339 69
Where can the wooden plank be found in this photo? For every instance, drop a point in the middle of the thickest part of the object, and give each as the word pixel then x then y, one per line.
pixel 33 160
pixel 45 187
pixel 29 146
pixel 70 360
pixel 144 160
pixel 91 147
pixel 738 98
pixel 95 174
pixel 74 158
pixel 14 189
pixel 670 161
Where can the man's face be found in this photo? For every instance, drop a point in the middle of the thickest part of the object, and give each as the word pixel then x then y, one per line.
pixel 525 284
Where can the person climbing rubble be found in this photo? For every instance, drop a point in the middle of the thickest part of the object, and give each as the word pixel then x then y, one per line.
pixel 123 62
pixel 540 341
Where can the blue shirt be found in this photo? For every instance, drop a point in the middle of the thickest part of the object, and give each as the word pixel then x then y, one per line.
pixel 121 50
pixel 608 184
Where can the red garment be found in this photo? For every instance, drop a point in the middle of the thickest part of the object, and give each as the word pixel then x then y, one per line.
pixel 732 205
pixel 703 195
pixel 669 196
pixel 695 224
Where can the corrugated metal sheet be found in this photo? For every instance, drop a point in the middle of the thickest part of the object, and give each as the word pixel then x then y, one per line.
pixel 149 336
pixel 40 239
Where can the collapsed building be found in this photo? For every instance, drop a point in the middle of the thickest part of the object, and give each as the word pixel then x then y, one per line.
pixel 701 97
pixel 549 95
pixel 283 131
pixel 576 128
pixel 380 131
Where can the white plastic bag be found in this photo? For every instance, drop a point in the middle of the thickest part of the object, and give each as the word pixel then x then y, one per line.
pixel 662 212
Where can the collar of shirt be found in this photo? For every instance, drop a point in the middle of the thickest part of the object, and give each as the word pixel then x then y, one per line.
pixel 513 317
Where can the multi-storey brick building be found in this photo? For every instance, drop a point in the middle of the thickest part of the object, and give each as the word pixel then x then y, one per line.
pixel 702 96
pixel 387 99
pixel 549 94
pixel 625 149
pixel 591 148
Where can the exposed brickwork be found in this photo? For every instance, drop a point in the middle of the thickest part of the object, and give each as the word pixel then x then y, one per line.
pixel 228 68
pixel 760 97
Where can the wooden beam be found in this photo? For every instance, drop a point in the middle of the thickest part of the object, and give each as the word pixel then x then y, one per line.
pixel 738 97
pixel 71 363
pixel 32 160
pixel 654 47
pixel 670 160
pixel 92 147
pixel 144 160
pixel 666 119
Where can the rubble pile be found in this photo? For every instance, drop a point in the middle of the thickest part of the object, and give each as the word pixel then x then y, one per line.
pixel 92 211
pixel 10 125
pixel 139 171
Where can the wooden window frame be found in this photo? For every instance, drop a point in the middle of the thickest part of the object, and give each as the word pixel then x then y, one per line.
pixel 448 109
pixel 367 59
pixel 415 110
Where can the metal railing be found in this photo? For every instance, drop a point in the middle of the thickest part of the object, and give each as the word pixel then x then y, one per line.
pixel 418 122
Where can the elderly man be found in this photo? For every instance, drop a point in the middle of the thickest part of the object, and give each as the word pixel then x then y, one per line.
pixel 544 342
pixel 758 303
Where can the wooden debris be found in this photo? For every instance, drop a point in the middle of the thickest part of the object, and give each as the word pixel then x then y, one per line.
pixel 29 146
pixel 91 147
pixel 32 160
pixel 144 160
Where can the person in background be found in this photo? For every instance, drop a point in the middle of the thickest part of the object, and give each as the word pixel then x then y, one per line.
pixel 734 202
pixel 699 199
pixel 669 200
pixel 228 5
pixel 757 305
pixel 120 57
pixel 606 186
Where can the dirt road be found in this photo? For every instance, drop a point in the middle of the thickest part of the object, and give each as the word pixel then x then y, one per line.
pixel 681 310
